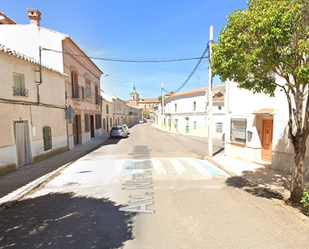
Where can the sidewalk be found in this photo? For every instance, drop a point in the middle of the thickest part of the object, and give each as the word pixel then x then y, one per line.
pixel 254 178
pixel 16 184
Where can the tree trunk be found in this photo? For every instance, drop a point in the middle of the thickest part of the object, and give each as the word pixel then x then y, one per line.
pixel 297 185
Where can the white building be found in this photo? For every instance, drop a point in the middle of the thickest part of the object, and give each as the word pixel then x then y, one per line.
pixel 187 112
pixel 256 128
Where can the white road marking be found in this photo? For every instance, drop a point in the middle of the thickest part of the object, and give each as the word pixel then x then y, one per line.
pixel 199 168
pixel 158 167
pixel 178 167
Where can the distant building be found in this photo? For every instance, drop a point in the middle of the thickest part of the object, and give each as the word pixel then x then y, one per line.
pixel 147 104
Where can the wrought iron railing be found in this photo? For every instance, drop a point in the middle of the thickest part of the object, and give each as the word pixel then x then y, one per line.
pixel 20 91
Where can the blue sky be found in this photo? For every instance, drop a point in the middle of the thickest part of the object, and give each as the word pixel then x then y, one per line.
pixel 136 30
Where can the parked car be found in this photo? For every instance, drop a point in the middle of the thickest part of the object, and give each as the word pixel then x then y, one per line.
pixel 145 120
pixel 119 131
pixel 141 121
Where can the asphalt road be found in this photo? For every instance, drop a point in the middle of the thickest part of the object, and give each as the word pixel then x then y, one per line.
pixel 150 190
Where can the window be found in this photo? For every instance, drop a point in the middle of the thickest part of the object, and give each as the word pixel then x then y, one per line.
pixel 97 95
pixel 176 123
pixel 175 107
pixel 98 122
pixel 194 125
pixel 19 85
pixel 104 125
pixel 47 138
pixel 86 122
pixel 74 82
pixel 88 88
pixel 194 106
pixel 219 127
pixel 106 109
pixel 238 130
pixel 219 107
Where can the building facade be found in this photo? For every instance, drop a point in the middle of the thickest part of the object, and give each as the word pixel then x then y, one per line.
pixel 187 112
pixel 256 128
pixel 33 126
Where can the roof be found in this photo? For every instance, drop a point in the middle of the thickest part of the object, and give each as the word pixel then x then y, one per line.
pixel 21 56
pixel 149 100
pixel 264 111
pixel 195 91
pixel 4 19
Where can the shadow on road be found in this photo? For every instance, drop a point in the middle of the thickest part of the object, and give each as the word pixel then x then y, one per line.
pixel 263 183
pixel 65 221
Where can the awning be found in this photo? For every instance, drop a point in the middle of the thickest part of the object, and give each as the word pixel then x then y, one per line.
pixel 264 111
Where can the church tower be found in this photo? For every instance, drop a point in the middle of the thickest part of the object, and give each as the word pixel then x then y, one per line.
pixel 134 97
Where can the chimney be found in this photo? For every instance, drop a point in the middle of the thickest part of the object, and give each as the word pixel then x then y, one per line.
pixel 35 16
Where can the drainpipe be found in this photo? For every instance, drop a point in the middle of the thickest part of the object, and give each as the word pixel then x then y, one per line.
pixel 40 72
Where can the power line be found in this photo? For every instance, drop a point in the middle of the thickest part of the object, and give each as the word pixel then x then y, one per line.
pixel 126 60
pixel 193 71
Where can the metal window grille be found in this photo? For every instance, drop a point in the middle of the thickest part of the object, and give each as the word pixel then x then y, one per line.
pixel 194 106
pixel 47 138
pixel 87 123
pixel 98 122
pixel 238 130
pixel 219 127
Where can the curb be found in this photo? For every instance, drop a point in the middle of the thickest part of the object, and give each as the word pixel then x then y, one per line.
pixel 13 197
pixel 220 166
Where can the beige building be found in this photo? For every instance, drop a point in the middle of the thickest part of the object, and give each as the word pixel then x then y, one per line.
pixel 83 94
pixel 82 86
pixel 33 126
pixel 120 112
pixel 107 112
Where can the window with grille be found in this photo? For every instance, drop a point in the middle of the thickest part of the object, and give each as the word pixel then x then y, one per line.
pixel 194 106
pixel 194 125
pixel 19 85
pixel 88 88
pixel 87 129
pixel 238 130
pixel 219 127
pixel 175 107
pixel 98 122
pixel 47 138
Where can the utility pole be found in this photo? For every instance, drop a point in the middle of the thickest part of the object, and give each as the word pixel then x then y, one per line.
pixel 210 96
pixel 162 100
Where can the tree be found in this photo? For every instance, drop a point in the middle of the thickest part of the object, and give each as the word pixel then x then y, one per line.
pixel 265 41
pixel 146 114
pixel 160 98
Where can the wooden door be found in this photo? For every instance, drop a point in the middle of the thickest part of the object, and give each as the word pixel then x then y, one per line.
pixel 76 129
pixel 22 142
pixel 267 139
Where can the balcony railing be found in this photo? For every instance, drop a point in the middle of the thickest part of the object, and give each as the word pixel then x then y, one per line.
pixel 78 92
pixel 20 91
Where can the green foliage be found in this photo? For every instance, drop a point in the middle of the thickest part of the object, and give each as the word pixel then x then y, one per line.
pixel 266 46
pixel 269 37
pixel 146 114
pixel 305 200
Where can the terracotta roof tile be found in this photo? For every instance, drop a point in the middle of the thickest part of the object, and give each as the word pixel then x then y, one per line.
pixel 264 111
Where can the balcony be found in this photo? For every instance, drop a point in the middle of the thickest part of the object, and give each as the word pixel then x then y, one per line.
pixel 78 92
pixel 20 91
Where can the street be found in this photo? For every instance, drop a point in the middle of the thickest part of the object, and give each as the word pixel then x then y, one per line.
pixel 150 190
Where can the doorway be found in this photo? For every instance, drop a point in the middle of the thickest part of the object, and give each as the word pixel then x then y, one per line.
pixel 92 125
pixel 76 129
pixel 22 143
pixel 267 140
